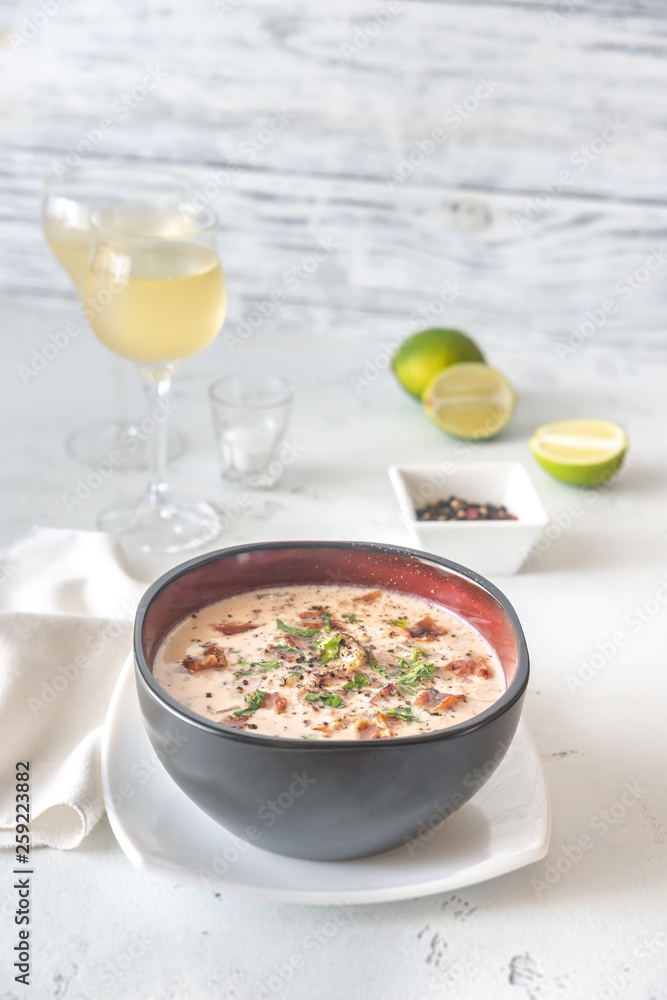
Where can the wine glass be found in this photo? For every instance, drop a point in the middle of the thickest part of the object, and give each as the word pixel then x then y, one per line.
pixel 67 204
pixel 155 294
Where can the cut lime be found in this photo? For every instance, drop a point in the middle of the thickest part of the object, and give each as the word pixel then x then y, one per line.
pixel 470 401
pixel 424 354
pixel 580 452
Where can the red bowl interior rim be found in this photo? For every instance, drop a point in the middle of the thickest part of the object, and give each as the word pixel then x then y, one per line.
pixel 215 575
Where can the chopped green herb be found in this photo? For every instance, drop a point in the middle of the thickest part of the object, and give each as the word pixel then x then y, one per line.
pixel 295 673
pixel 305 633
pixel 417 653
pixel 246 663
pixel 268 664
pixel 405 714
pixel 414 675
pixel 400 622
pixel 357 681
pixel 326 617
pixel 327 649
pixel 374 665
pixel 351 618
pixel 311 737
pixel 254 701
pixel 291 649
pixel 242 673
pixel 326 697
pixel 331 700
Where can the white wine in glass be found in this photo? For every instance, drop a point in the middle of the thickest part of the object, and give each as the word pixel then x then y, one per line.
pixel 71 248
pixel 67 205
pixel 155 294
pixel 166 304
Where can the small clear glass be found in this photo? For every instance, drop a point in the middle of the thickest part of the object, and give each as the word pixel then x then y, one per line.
pixel 250 415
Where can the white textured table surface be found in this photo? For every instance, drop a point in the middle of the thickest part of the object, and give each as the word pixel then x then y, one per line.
pixel 509 938
pixel 595 710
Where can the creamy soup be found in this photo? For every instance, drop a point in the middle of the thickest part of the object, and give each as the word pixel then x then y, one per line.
pixel 329 662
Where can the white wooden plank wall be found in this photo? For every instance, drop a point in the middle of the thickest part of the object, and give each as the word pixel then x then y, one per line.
pixel 358 86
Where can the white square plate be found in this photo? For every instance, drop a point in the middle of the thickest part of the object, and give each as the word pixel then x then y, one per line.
pixel 489 547
pixel 505 826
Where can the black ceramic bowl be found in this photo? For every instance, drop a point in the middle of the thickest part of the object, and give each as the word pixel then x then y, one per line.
pixel 327 801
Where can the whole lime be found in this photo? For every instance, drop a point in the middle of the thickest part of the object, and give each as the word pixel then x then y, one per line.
pixel 419 358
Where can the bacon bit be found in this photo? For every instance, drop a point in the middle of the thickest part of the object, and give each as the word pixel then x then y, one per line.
pixel 426 629
pixel 281 654
pixel 451 701
pixel 428 697
pixel 210 661
pixel 234 628
pixel 217 651
pixel 383 726
pixel 366 731
pixel 485 672
pixel 321 677
pixel 235 723
pixel 368 598
pixel 388 691
pixel 353 655
pixel 314 618
pixel 213 659
pixel 468 666
pixel 332 727
pixel 276 700
pixel 437 701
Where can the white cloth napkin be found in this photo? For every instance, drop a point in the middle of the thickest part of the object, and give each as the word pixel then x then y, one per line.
pixel 66 610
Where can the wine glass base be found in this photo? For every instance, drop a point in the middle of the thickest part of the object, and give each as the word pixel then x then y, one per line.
pixel 93 444
pixel 150 529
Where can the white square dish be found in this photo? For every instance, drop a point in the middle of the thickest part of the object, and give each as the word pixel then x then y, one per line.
pixel 505 826
pixel 489 547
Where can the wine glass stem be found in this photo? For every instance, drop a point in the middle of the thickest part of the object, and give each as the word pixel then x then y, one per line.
pixel 156 380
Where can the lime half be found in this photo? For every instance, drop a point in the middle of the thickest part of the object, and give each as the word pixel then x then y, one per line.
pixel 470 401
pixel 424 354
pixel 580 452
